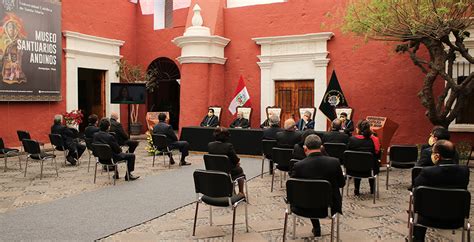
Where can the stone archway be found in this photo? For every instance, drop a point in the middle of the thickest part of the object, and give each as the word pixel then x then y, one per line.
pixel 166 94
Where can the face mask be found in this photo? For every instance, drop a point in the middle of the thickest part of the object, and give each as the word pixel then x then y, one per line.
pixel 431 140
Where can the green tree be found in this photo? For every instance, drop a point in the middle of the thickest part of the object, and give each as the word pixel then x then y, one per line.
pixel 439 25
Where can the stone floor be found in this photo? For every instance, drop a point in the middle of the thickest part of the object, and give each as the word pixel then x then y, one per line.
pixel 362 220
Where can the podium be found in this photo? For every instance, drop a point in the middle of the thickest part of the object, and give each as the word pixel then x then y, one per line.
pixel 384 128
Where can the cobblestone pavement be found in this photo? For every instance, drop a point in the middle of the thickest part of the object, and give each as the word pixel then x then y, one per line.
pixel 362 220
pixel 17 191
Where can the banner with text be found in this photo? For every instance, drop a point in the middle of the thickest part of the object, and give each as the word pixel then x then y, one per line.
pixel 30 50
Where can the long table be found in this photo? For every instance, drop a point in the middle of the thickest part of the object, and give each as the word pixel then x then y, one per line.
pixel 245 141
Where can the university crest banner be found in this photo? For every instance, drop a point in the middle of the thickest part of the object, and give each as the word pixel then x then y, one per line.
pixel 333 97
pixel 30 50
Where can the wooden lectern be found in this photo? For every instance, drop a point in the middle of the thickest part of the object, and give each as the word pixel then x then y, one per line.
pixel 384 129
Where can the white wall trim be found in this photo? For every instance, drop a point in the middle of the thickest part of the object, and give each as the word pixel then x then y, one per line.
pixel 294 57
pixel 93 52
pixel 243 3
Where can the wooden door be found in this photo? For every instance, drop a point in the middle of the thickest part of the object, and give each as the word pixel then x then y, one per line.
pixel 291 95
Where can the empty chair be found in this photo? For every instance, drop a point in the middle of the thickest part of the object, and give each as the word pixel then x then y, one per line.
pixel 58 144
pixel 32 148
pixel 336 150
pixel 161 144
pixel 414 173
pixel 441 208
pixel 222 163
pixel 215 188
pixel 281 157
pixel 402 157
pixel 23 134
pixel 359 164
pixel 267 146
pixel 103 152
pixel 8 152
pixel 316 206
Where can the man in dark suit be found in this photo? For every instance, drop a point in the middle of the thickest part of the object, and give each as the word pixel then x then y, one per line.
pixel 210 120
pixel 163 128
pixel 288 137
pixel 347 124
pixel 120 135
pixel 75 149
pixel 335 135
pixel 305 122
pixel 444 174
pixel 270 133
pixel 240 122
pixel 318 166
pixel 436 134
pixel 103 137
pixel 92 128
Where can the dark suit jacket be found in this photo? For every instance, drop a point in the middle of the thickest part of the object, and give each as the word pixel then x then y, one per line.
pixel 447 174
pixel 301 126
pixel 66 134
pixel 288 139
pixel 425 157
pixel 90 131
pixel 166 129
pixel 102 137
pixel 223 148
pixel 317 166
pixel 265 124
pixel 270 133
pixel 349 128
pixel 242 123
pixel 120 134
pixel 298 152
pixel 366 145
pixel 212 121
pixel 335 137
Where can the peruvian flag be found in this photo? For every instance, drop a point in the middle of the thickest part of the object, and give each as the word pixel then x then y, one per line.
pixel 241 97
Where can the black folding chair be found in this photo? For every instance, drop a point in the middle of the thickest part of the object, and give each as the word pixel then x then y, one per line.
pixel 89 150
pixel 215 188
pixel 23 134
pixel 402 157
pixel 267 146
pixel 441 208
pixel 103 153
pixel 8 152
pixel 336 150
pixel 161 144
pixel 415 171
pixel 222 163
pixel 32 148
pixel 281 157
pixel 309 194
pixel 359 164
pixel 58 144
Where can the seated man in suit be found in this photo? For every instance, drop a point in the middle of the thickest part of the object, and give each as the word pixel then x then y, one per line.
pixel 266 123
pixel 103 137
pixel 335 135
pixel 270 133
pixel 163 128
pixel 240 122
pixel 444 174
pixel 120 135
pixel 288 137
pixel 210 120
pixel 75 149
pixel 222 147
pixel 306 122
pixel 318 166
pixel 436 134
pixel 92 128
pixel 347 124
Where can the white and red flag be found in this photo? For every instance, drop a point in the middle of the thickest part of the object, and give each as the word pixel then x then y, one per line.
pixel 241 97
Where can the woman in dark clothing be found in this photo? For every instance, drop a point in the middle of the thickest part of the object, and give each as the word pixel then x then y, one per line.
pixel 365 141
pixel 222 147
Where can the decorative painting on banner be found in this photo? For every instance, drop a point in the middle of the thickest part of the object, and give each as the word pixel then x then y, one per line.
pixel 30 50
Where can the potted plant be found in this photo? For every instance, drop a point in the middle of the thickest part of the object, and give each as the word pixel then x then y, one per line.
pixel 133 74
pixel 73 118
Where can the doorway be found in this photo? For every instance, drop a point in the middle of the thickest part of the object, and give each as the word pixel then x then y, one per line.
pixel 165 95
pixel 291 95
pixel 91 84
